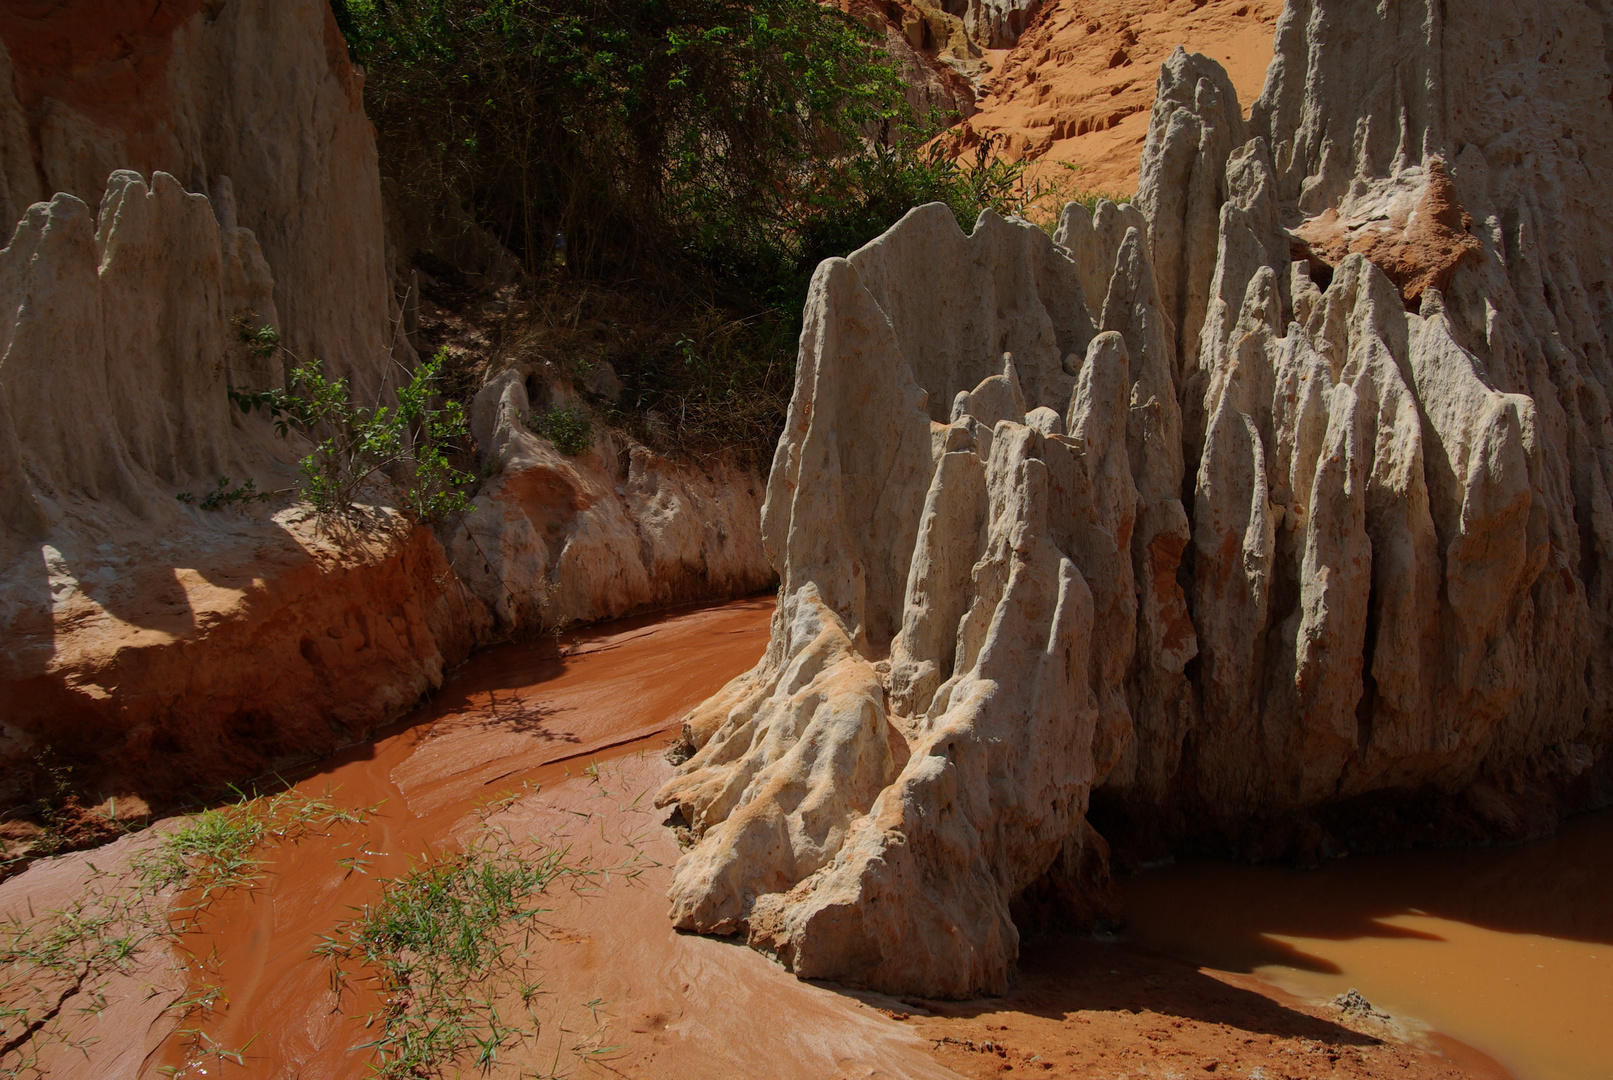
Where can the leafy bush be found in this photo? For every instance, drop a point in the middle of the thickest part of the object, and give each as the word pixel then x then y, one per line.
pixel 570 428
pixel 642 127
pixel 353 442
pixel 708 153
pixel 718 381
pixel 262 342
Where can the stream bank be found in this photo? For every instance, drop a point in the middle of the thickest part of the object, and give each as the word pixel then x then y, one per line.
pixel 563 751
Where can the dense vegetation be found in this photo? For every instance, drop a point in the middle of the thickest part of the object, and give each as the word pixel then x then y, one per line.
pixel 703 155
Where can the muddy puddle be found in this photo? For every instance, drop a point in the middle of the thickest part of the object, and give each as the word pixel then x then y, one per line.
pixel 1509 950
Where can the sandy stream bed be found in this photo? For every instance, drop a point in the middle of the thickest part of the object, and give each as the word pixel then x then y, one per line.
pixel 549 752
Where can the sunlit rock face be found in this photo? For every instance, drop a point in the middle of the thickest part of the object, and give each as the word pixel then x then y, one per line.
pixel 1281 489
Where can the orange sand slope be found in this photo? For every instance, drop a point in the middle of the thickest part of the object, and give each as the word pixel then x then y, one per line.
pixel 1079 85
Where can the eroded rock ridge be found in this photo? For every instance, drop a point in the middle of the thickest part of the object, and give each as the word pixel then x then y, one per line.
pixel 1282 489
pixel 182 177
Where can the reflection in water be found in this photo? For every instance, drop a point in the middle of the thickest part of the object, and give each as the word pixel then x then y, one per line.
pixel 1509 950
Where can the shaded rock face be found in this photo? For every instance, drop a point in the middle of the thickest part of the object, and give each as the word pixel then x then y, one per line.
pixel 251 102
pixel 159 647
pixel 1232 540
pixel 142 639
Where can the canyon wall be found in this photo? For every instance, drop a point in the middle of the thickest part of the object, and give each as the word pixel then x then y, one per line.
pixel 181 175
pixel 556 539
pixel 931 51
pixel 250 102
pixel 1071 98
pixel 1267 511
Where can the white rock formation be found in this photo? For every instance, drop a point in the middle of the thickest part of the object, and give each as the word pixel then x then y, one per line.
pixel 115 348
pixel 1293 494
pixel 556 539
pixel 996 24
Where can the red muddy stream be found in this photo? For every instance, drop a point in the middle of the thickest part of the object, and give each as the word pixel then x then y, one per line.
pixel 515 713
pixel 1508 951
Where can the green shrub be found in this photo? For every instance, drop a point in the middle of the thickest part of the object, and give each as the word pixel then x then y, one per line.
pixel 570 428
pixel 352 443
pixel 224 494
pixel 262 342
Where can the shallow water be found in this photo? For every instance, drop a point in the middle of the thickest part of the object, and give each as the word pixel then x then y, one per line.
pixel 516 716
pixel 1509 950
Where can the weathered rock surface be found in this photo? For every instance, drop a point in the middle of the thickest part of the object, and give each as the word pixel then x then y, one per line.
pixel 556 539
pixel 181 658
pixel 1230 546
pixel 996 24
pixel 155 645
pixel 251 102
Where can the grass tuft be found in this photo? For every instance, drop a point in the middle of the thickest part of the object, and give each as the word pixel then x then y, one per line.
pixel 437 943
pixel 217 849
pixel 50 961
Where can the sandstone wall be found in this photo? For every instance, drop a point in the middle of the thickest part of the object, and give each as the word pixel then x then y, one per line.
pixel 159 648
pixel 1284 513
pixel 555 539
pixel 251 102
pixel 176 168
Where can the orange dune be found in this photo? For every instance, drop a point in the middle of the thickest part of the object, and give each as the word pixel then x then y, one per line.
pixel 1077 88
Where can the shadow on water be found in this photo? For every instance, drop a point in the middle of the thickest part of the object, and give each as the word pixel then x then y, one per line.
pixel 1558 887
pixel 1060 975
pixel 1509 950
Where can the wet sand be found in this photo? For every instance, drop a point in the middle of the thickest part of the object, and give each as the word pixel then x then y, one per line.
pixel 1509 950
pixel 550 744
pixel 566 751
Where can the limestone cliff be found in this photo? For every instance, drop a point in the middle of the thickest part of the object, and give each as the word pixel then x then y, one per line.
pixel 1271 501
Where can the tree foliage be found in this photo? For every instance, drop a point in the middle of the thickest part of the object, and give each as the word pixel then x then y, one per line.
pixel 704 155
pixel 636 128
